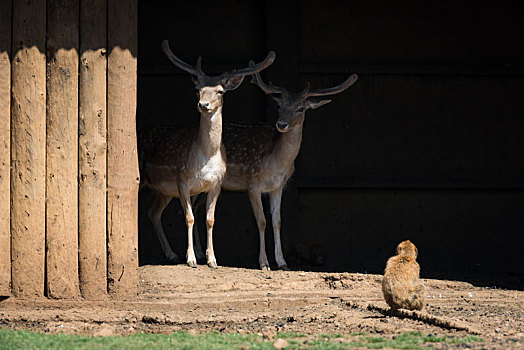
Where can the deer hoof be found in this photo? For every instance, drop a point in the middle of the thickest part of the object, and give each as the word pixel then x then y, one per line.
pixel 212 265
pixel 265 268
pixel 284 268
pixel 192 264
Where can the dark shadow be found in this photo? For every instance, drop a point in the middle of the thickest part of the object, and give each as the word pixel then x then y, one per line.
pixel 428 144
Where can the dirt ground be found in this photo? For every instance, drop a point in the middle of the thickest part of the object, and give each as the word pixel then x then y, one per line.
pixel 252 301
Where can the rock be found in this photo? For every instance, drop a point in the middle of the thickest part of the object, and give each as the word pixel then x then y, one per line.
pixel 104 332
pixel 280 343
pixel 192 332
pixel 268 334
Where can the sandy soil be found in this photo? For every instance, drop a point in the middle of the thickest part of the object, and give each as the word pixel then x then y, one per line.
pixel 241 300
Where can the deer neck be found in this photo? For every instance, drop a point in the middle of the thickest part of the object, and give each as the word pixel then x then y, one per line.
pixel 210 132
pixel 288 146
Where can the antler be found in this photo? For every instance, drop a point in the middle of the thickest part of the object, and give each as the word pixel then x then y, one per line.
pixel 333 90
pixel 268 89
pixel 272 89
pixel 255 68
pixel 197 70
pixel 305 92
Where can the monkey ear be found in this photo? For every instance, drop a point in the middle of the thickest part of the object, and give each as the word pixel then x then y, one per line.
pixel 314 103
pixel 233 82
pixel 416 252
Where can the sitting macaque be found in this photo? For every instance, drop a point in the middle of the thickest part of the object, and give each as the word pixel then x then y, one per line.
pixel 401 285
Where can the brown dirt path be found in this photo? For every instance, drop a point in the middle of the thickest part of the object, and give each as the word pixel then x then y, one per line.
pixel 241 300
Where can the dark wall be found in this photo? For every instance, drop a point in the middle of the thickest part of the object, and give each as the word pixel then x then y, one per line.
pixel 427 145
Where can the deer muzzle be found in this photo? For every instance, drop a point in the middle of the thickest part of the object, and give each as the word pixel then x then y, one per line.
pixel 282 126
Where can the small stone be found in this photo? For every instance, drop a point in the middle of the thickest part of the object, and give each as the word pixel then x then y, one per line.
pixel 104 332
pixel 269 334
pixel 192 332
pixel 280 343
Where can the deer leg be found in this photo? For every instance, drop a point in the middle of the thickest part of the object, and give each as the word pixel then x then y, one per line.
pixel 212 197
pixel 255 196
pixel 185 200
pixel 196 202
pixel 275 198
pixel 155 211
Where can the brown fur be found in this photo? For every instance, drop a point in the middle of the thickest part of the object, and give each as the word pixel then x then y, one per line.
pixel 261 158
pixel 401 285
pixel 183 162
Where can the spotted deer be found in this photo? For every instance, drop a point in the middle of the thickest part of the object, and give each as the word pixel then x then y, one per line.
pixel 182 162
pixel 260 157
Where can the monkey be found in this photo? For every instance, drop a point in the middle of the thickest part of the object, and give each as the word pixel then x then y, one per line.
pixel 401 284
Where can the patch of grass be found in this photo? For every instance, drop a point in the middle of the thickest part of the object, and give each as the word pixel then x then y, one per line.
pixel 330 336
pixel 409 340
pixel 286 335
pixel 10 339
pixel 179 340
pixel 354 334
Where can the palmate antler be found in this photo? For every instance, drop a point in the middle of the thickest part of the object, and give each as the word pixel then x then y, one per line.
pixel 197 70
pixel 268 89
pixel 330 91
pixel 273 89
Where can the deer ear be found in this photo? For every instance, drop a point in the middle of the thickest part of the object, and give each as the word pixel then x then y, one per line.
pixel 233 82
pixel 315 103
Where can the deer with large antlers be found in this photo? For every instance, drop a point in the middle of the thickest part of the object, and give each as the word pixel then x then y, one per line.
pixel 182 162
pixel 261 159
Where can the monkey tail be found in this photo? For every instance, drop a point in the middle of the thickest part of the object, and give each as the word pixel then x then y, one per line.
pixel 419 316
pixel 425 317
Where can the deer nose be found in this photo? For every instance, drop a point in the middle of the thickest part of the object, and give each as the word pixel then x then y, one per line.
pixel 204 105
pixel 282 125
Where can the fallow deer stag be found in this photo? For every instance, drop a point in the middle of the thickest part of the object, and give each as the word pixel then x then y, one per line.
pixel 182 162
pixel 261 160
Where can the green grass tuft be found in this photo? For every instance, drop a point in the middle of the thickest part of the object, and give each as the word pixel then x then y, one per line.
pixel 409 340
pixel 286 335
pixel 330 336
pixel 10 339
pixel 180 340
